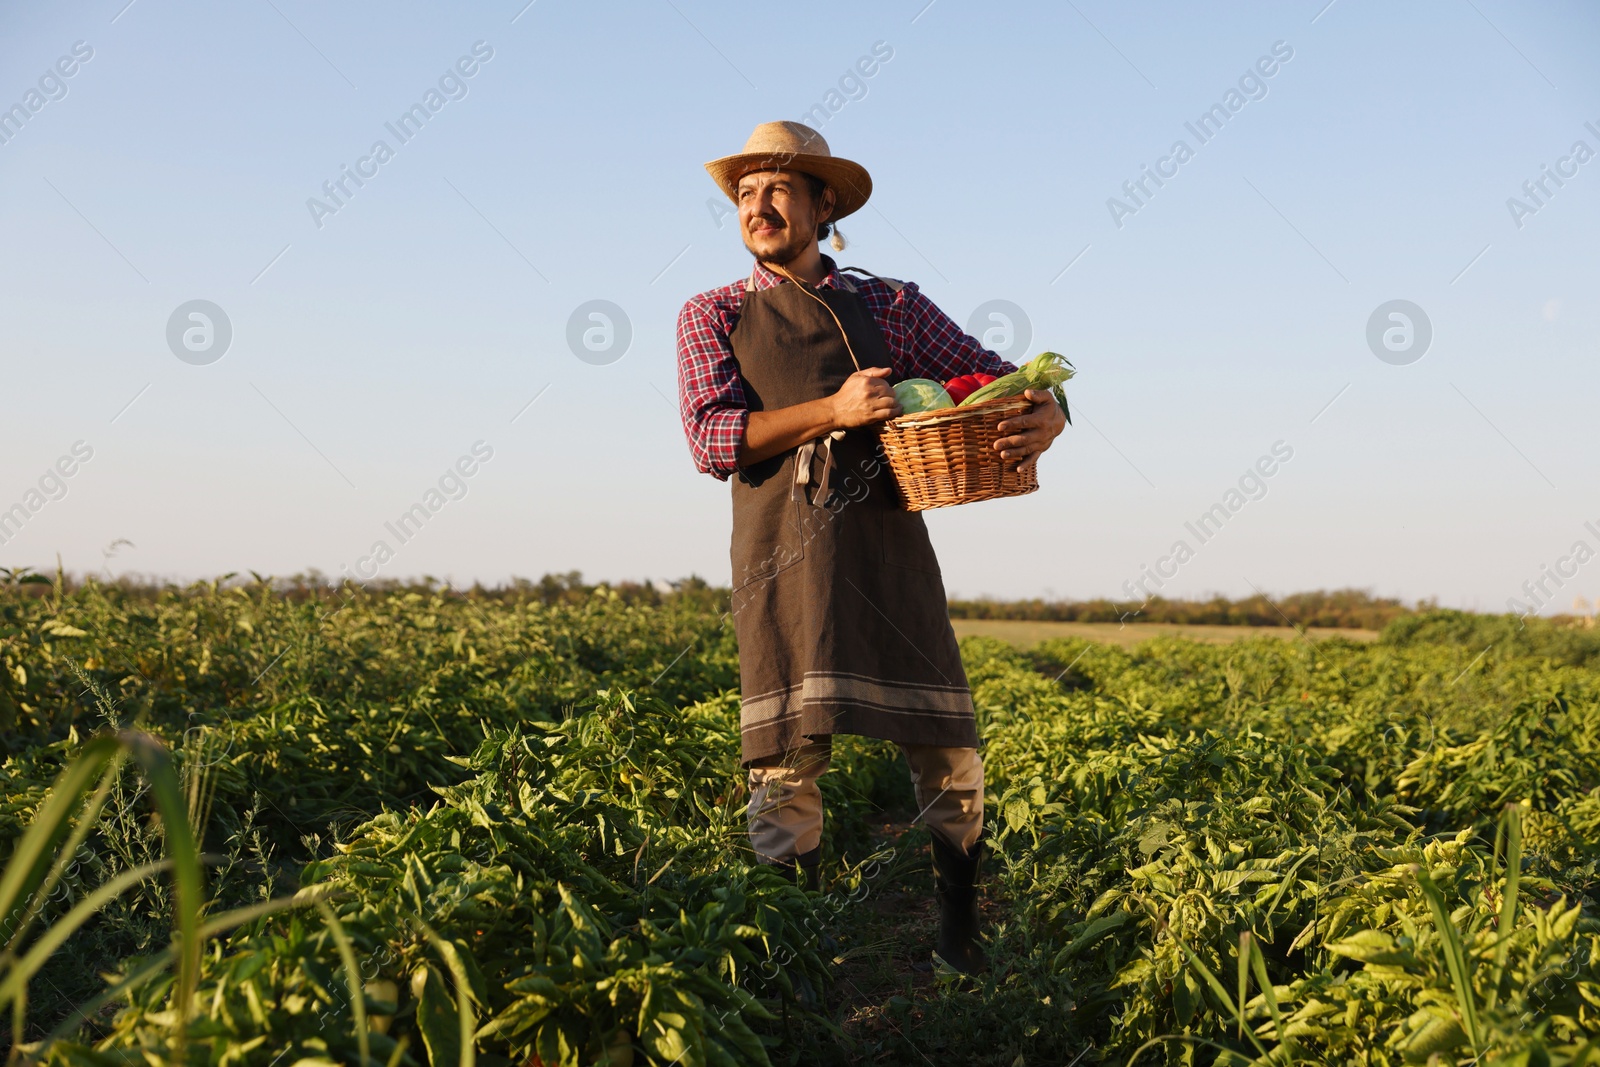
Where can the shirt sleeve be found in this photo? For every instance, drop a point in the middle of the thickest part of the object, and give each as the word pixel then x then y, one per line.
pixel 937 347
pixel 711 396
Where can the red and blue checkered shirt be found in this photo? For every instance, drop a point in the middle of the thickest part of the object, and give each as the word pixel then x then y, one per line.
pixel 923 342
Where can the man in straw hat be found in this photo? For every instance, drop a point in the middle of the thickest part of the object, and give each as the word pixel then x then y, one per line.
pixel 838 602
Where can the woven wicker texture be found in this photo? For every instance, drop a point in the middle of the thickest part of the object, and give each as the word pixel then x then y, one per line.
pixel 946 457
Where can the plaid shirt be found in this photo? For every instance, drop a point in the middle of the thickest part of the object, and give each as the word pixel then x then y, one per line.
pixel 923 342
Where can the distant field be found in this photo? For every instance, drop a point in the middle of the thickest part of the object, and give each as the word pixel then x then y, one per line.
pixel 1026 634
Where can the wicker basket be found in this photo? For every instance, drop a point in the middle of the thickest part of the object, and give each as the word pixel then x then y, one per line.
pixel 946 457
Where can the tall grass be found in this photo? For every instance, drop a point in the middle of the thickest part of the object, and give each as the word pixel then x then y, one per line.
pixel 69 811
pixel 42 856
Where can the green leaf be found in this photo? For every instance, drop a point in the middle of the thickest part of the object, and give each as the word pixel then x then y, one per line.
pixel 437 1016
pixel 1236 1010
pixel 1455 957
pixel 1246 941
pixel 1186 996
pixel 1091 934
pixel 352 975
pixel 1017 814
pixel 1154 839
pixel 1438 1034
pixel 1511 822
pixel 670 1046
pixel 1258 963
pixel 1373 946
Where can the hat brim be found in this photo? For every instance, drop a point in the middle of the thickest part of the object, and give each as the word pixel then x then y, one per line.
pixel 850 182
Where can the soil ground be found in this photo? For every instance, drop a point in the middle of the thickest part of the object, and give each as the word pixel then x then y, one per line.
pixel 887 994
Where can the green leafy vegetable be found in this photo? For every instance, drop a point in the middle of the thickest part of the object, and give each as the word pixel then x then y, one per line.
pixel 921 394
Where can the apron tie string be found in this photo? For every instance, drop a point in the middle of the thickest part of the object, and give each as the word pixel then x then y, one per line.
pixel 802 468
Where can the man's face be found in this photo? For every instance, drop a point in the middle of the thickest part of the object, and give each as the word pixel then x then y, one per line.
pixel 777 216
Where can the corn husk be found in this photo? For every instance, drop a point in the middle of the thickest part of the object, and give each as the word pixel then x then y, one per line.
pixel 1047 370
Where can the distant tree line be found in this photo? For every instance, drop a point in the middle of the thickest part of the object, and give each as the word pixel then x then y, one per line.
pixel 1349 608
pixel 567 588
pixel 1345 608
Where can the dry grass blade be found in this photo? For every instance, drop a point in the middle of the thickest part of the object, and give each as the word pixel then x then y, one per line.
pixel 200 779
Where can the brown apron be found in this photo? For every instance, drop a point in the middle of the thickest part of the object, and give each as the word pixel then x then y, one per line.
pixel 838 603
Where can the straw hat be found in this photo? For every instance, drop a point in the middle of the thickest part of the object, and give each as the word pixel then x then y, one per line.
pixel 795 146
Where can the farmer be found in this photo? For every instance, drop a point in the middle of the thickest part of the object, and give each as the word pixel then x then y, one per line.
pixel 838 603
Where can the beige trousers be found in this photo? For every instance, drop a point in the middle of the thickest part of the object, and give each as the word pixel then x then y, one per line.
pixel 785 813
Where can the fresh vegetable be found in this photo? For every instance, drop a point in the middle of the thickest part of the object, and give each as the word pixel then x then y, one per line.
pixel 962 385
pixel 1047 370
pixel 921 394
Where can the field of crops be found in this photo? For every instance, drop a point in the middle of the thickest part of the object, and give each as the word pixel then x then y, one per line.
pixel 509 830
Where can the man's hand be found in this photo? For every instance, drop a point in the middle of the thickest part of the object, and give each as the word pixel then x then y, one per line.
pixel 865 398
pixel 1033 432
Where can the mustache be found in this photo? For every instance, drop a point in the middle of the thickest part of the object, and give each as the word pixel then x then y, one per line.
pixel 774 222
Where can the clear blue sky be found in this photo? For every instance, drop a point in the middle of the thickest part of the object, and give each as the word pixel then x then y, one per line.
pixel 370 352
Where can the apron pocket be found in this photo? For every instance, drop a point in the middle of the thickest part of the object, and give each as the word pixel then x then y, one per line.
pixel 763 560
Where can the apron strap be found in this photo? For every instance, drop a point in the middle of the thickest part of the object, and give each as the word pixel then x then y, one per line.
pixel 802 464
pixel 894 284
pixel 781 269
